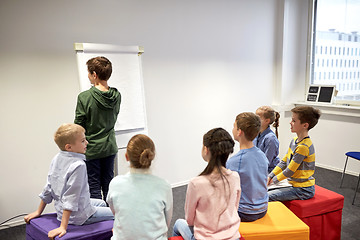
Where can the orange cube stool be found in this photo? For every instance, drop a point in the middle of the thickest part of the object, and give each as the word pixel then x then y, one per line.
pixel 279 223
pixel 180 238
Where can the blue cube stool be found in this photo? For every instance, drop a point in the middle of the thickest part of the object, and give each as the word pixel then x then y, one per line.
pixel 38 229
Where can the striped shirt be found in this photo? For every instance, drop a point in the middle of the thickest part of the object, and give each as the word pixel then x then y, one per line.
pixel 298 165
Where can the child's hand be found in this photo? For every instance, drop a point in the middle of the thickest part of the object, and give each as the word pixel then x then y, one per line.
pixel 269 181
pixel 57 231
pixel 30 216
pixel 37 213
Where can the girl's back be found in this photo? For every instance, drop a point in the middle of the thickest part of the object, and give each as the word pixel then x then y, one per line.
pixel 142 204
pixel 212 207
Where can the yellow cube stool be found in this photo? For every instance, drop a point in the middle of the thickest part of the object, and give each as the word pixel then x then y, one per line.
pixel 279 223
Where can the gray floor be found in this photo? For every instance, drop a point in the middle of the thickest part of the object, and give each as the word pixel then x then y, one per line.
pixel 324 178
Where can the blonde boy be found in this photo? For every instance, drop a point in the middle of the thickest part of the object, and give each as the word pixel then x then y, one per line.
pixel 252 165
pixel 298 165
pixel 67 184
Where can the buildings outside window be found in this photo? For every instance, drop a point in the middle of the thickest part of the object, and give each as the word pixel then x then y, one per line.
pixel 336 45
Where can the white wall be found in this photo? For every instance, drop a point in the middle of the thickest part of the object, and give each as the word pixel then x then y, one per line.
pixel 205 61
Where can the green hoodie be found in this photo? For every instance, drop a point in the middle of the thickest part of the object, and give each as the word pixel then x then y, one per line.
pixel 97 112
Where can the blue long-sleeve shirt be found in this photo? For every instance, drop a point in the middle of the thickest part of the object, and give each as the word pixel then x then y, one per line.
pixel 269 144
pixel 252 166
pixel 67 185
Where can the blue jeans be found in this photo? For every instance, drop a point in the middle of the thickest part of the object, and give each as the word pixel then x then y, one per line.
pixel 251 217
pixel 181 228
pixel 291 193
pixel 100 173
pixel 102 213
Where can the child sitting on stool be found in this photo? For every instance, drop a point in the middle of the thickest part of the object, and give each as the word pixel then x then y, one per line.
pixel 298 165
pixel 252 166
pixel 67 184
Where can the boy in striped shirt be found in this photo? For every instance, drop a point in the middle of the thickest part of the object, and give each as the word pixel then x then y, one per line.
pixel 298 165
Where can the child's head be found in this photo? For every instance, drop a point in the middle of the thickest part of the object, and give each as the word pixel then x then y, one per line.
pixel 140 151
pixel 249 123
pixel 219 144
pixel 101 66
pixel 268 116
pixel 71 137
pixel 307 114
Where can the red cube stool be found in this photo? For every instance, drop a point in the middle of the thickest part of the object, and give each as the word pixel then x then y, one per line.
pixel 322 213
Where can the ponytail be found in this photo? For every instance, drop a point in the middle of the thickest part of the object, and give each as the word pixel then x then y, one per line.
pixel 276 123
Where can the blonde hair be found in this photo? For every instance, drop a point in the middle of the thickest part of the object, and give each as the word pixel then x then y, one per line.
pixel 66 134
pixel 269 113
pixel 141 151
pixel 249 123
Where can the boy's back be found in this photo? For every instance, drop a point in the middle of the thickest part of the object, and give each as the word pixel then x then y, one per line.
pixel 252 166
pixel 67 186
pixel 97 112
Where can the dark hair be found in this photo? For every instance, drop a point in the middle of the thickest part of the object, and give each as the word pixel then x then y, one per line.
pixel 141 151
pixel 101 65
pixel 220 144
pixel 269 113
pixel 307 114
pixel 249 123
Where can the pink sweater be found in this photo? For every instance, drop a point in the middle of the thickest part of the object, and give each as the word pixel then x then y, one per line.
pixel 206 201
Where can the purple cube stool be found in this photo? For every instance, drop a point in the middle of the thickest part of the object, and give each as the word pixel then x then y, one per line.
pixel 39 227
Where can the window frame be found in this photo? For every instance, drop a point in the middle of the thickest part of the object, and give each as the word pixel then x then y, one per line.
pixel 311 51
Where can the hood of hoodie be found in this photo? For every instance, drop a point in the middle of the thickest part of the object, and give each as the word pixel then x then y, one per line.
pixel 106 100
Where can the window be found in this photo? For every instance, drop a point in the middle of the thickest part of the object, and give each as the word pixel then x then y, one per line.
pixel 337 30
